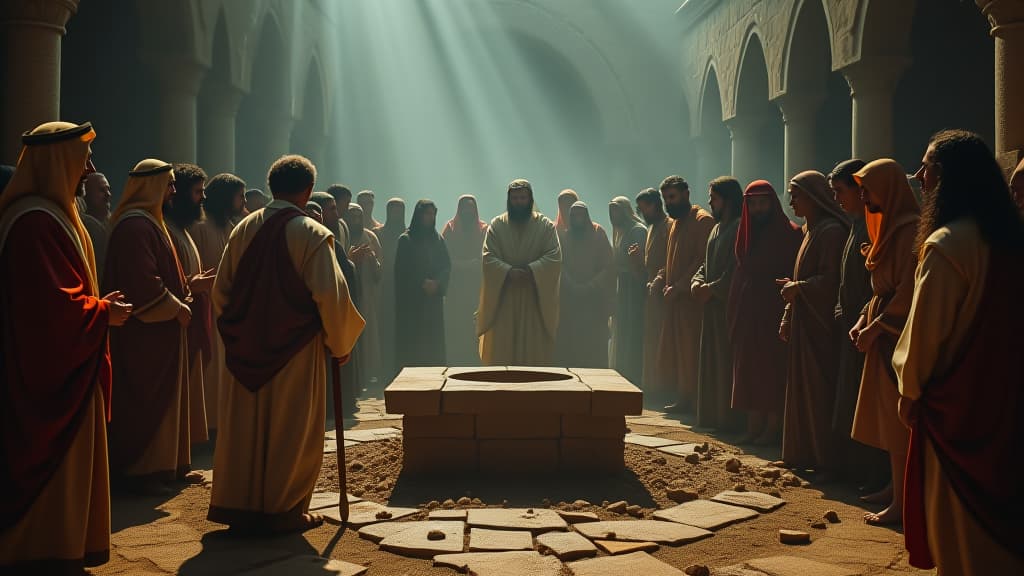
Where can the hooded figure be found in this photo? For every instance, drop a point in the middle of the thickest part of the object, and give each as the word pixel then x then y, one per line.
pixel 464 238
pixel 628 231
pixel 422 269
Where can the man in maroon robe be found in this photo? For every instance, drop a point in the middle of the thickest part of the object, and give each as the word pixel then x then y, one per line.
pixel 54 363
pixel 149 434
pixel 766 247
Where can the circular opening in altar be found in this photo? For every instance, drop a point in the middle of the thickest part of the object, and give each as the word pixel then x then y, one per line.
pixel 511 376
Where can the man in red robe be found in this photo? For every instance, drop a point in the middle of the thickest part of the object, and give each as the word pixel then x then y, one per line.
pixel 766 247
pixel 55 364
pixel 149 431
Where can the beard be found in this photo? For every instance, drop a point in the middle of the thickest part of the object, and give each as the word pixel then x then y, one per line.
pixel 183 211
pixel 677 211
pixel 520 213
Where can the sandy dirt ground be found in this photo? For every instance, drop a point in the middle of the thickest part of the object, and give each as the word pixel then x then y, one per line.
pixel 172 536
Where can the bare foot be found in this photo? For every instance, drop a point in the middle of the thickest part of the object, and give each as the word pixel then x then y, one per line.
pixel 891 515
pixel 307 521
pixel 193 477
pixel 883 496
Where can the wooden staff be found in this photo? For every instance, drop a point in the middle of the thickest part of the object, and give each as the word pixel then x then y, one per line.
pixel 339 431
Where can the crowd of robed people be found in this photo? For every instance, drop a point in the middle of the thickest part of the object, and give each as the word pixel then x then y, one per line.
pixel 874 336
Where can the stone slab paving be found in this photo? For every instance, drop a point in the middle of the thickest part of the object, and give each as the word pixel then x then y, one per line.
pixel 756 500
pixel 309 565
pixel 650 441
pixel 636 563
pixel 167 544
pixel 706 514
pixel 328 499
pixel 501 563
pixel 373 434
pixel 484 540
pixel 642 531
pixel 447 514
pixel 578 517
pixel 418 540
pixel 656 421
pixel 567 545
pixel 532 519
pixel 784 566
pixel 363 513
pixel 614 547
pixel 680 449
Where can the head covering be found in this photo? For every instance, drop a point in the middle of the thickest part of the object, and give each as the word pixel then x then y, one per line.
pixel 145 190
pixel 779 222
pixel 565 201
pixel 581 207
pixel 354 216
pixel 414 225
pixel 622 203
pixel 391 219
pixel 887 180
pixel 816 186
pixel 467 216
pixel 50 166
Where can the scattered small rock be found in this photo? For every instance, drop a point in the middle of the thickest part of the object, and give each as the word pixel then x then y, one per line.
pixel 679 492
pixel 356 466
pixel 819 525
pixel 449 503
pixel 739 488
pixel 478 502
pixel 775 493
pixel 794 537
pixel 382 487
pixel 771 473
pixel 697 570
pixel 383 515
pixel 790 480
pixel 805 484
pixel 732 465
pixel 609 535
pixel 435 535
pixel 832 517
pixel 357 492
pixel 693 458
pixel 766 483
pixel 433 504
pixel 617 507
pixel 464 501
pixel 778 464
pixel 504 503
pixel 705 447
pixel 546 503
pixel 581 504
pixel 604 504
pixel 635 510
pixel 659 461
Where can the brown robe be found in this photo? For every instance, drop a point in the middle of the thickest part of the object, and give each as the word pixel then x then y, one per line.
pixel 679 347
pixel 149 417
pixel 807 437
pixel 210 241
pixel 655 251
pixel 586 291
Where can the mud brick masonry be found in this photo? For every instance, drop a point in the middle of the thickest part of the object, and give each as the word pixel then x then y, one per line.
pixel 515 419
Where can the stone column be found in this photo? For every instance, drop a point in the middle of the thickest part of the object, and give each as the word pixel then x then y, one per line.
pixel 177 82
pixel 872 85
pixel 31 32
pixel 218 110
pixel 799 116
pixel 1007 20
pixel 745 130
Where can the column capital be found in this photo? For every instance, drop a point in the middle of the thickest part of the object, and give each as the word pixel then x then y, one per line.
pixel 800 105
pixel 872 75
pixel 48 14
pixel 1005 16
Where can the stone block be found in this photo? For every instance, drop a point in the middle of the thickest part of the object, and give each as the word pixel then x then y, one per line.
pixel 614 547
pixel 362 513
pixel 421 455
pixel 614 396
pixel 484 540
pixel 426 539
pixel 586 426
pixel 501 563
pixel 642 531
pixel 566 545
pixel 441 426
pixel 706 514
pixel 419 395
pixel 518 426
pixel 447 515
pixel 755 500
pixel 650 441
pixel 635 563
pixel 536 520
pixel 518 456
pixel 555 397
pixel 592 454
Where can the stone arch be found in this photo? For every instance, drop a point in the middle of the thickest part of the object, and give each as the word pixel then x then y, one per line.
pixel 309 136
pixel 756 128
pixel 753 38
pixel 712 144
pixel 217 103
pixel 263 132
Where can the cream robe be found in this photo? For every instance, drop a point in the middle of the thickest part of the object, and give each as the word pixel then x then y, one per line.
pixel 210 240
pixel 950 283
pixel 517 323
pixel 270 442
pixel 202 390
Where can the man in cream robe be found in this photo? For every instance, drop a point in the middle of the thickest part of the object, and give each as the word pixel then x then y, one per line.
pixel 270 444
pixel 518 314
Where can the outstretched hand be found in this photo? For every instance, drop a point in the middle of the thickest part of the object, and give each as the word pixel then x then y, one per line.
pixel 119 311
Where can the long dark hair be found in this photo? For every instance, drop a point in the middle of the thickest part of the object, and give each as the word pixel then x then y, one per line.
pixel 220 194
pixel 971 185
